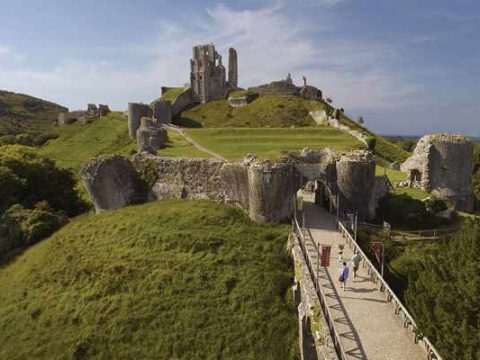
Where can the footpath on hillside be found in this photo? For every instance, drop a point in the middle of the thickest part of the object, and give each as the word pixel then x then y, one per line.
pixel 365 321
pixel 194 143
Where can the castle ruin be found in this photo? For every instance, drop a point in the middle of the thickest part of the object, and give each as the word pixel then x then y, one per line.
pixel 208 75
pixel 443 165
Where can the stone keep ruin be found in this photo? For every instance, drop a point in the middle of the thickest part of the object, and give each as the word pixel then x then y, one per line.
pixel 207 77
pixel 443 164
pixel 265 190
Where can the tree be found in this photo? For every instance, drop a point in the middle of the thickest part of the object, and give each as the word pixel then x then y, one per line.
pixel 28 178
pixel 443 294
pixel 476 176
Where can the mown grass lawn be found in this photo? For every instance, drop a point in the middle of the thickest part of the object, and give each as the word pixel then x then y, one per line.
pixel 235 143
pixel 172 279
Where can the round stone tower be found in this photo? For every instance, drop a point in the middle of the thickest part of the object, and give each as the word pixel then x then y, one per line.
pixel 135 114
pixel 271 191
pixel 356 183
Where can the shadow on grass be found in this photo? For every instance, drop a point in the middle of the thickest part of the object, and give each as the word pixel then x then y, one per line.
pixel 186 122
pixel 10 256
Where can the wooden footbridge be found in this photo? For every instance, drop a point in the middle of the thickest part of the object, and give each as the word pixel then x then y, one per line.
pixel 367 320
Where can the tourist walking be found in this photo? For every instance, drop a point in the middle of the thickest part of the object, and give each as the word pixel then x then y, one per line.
pixel 344 272
pixel 355 260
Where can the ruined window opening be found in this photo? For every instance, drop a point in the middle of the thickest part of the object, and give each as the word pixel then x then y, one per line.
pixel 415 176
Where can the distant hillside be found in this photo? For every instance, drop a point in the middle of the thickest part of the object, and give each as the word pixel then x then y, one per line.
pixel 21 113
pixel 167 280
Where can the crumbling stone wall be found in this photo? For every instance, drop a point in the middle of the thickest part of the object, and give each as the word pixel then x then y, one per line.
pixel 112 182
pixel 82 116
pixel 185 178
pixel 282 87
pixel 443 164
pixel 135 113
pixel 309 92
pixel 162 112
pixel 263 189
pixel 151 137
pixel 235 184
pixel 182 102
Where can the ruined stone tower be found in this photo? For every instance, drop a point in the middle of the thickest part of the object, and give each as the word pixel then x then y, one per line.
pixel 207 78
pixel 443 164
pixel 232 67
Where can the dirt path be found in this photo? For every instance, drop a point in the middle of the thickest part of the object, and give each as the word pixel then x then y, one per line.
pixel 194 143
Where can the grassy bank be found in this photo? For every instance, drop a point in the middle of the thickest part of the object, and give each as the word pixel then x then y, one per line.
pixel 235 143
pixel 170 279
pixel 108 135
pixel 265 111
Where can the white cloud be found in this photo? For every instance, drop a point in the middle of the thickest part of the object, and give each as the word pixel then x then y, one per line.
pixel 269 43
pixel 4 51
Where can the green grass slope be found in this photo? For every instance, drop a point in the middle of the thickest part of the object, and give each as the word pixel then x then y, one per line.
pixel 77 143
pixel 108 135
pixel 21 113
pixel 265 111
pixel 166 280
pixel 269 143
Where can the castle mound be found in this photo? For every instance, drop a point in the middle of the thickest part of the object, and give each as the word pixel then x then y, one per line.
pixel 264 111
pixel 170 279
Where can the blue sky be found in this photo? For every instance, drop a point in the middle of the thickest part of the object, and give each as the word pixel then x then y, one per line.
pixel 409 67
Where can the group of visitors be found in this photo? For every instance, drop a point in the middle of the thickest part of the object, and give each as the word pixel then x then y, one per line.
pixel 345 271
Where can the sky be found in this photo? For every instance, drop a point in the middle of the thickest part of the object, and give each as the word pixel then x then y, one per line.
pixel 408 67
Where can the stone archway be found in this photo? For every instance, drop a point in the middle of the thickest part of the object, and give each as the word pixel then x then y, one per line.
pixel 415 177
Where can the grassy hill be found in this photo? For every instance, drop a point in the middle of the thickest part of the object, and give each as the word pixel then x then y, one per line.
pixel 236 143
pixel 280 111
pixel 21 113
pixel 265 111
pixel 171 279
pixel 77 143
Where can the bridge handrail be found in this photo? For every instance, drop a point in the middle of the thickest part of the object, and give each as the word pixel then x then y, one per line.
pixel 432 353
pixel 321 296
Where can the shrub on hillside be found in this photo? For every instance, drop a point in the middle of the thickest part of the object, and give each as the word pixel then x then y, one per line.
pixel 444 298
pixel 403 211
pixel 371 142
pixel 27 139
pixel 476 177
pixel 20 227
pixel 27 178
